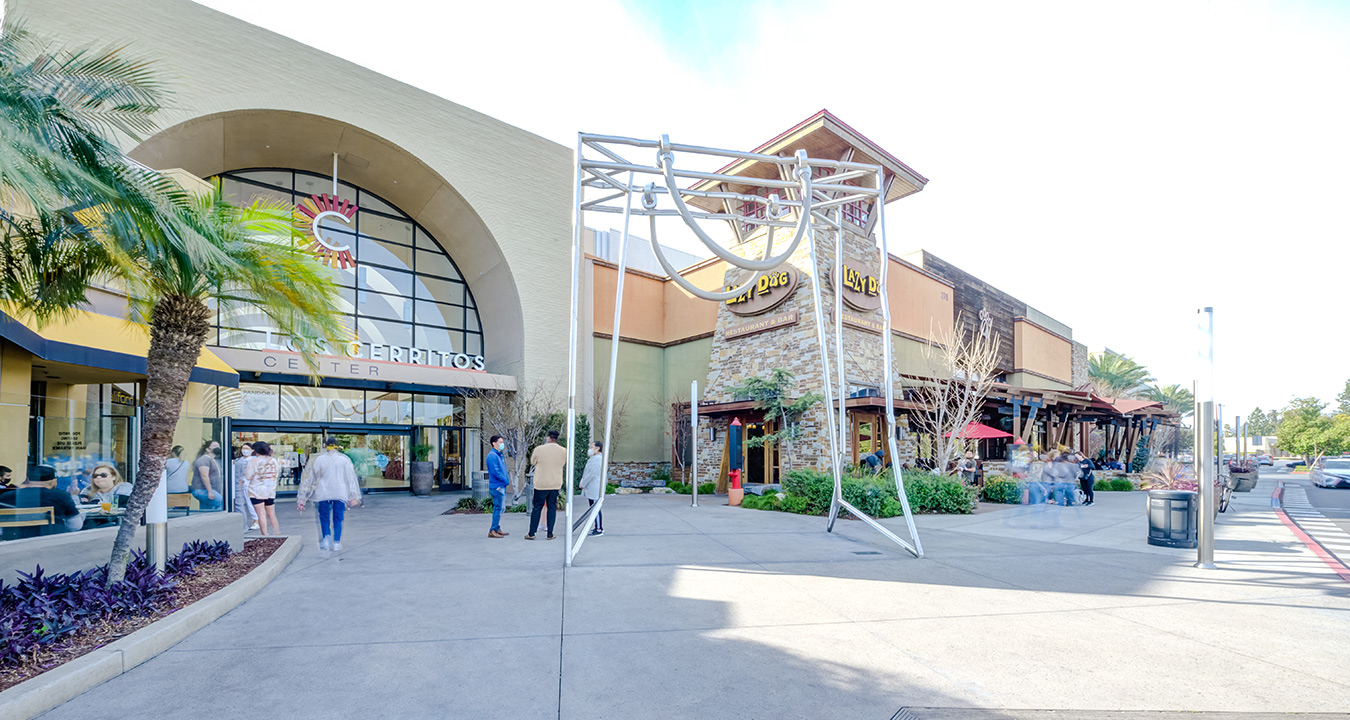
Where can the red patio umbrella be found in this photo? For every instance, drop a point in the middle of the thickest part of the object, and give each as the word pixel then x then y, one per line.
pixel 978 431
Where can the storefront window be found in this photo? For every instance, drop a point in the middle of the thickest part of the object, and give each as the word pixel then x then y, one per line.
pixel 438 410
pixel 303 403
pixel 396 261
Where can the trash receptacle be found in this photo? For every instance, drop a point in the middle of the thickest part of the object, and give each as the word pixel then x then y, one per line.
pixel 1172 518
pixel 480 485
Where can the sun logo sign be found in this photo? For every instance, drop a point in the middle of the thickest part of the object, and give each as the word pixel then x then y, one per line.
pixel 309 216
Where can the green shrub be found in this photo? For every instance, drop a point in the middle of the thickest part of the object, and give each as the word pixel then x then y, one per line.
pixel 707 488
pixel 926 493
pixel 521 508
pixel 679 487
pixel 752 502
pixel 794 504
pixel 1004 490
pixel 485 505
pixel 1101 485
pixel 1121 485
pixel 468 503
pixel 662 474
pixel 610 488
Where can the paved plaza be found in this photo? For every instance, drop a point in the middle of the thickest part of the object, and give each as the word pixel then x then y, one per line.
pixel 718 612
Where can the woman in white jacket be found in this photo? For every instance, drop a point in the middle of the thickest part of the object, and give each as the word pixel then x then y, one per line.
pixel 593 482
pixel 330 481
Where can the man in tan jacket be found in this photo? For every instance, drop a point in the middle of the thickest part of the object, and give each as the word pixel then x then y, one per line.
pixel 550 468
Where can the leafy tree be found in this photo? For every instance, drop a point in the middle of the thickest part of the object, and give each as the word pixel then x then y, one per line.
pixel 1228 430
pixel 1176 398
pixel 1259 423
pixel 1307 408
pixel 1343 400
pixel 771 396
pixel 1116 375
pixel 1310 437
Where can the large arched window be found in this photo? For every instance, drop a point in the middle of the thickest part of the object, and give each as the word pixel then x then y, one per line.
pixel 404 290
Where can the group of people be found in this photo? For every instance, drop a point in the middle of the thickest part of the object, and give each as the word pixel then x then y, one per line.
pixel 1050 477
pixel 549 462
pixel 39 488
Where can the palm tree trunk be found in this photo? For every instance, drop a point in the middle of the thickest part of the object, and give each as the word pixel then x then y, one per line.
pixel 178 328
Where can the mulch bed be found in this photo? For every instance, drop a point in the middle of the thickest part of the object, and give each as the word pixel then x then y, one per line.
pixel 209 578
pixel 466 511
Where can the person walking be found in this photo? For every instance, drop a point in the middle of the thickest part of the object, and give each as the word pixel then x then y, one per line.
pixel 593 482
pixel 550 465
pixel 1086 479
pixel 967 469
pixel 241 488
pixel 330 481
pixel 261 475
pixel 498 481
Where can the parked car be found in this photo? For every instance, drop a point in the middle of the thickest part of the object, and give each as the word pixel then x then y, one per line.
pixel 1332 473
pixel 1295 464
pixel 1265 460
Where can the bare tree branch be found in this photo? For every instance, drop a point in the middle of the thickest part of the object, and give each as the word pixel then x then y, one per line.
pixel 521 418
pixel 961 364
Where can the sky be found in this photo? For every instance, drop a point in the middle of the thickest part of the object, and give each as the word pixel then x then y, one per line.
pixel 1115 165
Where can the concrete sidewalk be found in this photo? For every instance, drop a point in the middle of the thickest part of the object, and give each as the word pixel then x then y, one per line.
pixel 723 612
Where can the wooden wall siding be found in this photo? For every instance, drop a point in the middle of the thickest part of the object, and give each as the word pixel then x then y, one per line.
pixel 971 295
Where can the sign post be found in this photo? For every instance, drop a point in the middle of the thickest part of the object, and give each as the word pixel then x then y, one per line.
pixel 693 439
pixel 1205 461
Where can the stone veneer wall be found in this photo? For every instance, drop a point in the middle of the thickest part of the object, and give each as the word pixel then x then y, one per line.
pixel 1080 365
pixel 633 474
pixel 793 348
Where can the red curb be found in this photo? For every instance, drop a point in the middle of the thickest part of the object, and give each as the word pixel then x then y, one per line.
pixel 1336 565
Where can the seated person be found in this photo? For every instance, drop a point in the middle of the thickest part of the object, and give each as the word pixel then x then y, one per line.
pixel 105 485
pixel 39 490
pixel 874 460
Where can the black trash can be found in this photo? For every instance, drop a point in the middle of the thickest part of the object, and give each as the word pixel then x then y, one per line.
pixel 1172 518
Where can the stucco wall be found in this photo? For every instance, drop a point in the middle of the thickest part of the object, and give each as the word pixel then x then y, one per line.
pixel 474 170
pixel 641 383
pixel 1041 352
pixel 921 305
pixel 643 305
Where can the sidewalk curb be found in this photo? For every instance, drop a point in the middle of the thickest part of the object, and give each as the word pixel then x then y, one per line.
pixel 1277 503
pixel 35 696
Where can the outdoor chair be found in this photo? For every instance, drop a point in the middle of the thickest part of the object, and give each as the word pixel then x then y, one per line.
pixel 181 501
pixel 27 517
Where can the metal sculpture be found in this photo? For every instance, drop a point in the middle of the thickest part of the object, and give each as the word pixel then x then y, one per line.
pixel 818 206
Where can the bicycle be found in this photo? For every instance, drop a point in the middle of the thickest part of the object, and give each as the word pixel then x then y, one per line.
pixel 1223 487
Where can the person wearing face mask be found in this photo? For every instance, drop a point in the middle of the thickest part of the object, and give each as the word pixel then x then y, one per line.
pixel 240 493
pixel 593 482
pixel 498 480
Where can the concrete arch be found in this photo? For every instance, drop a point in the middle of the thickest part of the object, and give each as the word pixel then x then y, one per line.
pixel 240 139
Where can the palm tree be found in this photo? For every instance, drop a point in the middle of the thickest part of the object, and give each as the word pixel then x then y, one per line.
pixel 75 209
pixel 1118 376
pixel 262 263
pixel 1175 398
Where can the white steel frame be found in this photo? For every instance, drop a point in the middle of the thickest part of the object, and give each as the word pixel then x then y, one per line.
pixel 607 181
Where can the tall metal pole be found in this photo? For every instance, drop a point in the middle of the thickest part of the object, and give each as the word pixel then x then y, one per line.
pixel 693 437
pixel 572 349
pixel 1205 465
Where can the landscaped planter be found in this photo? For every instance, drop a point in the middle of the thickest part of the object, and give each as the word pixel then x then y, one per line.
pixel 1243 481
pixel 423 475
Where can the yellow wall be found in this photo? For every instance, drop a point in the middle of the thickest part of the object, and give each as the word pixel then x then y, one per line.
pixel 16 378
pixel 688 316
pixel 1042 352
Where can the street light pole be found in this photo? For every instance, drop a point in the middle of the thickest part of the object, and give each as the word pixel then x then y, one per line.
pixel 1205 465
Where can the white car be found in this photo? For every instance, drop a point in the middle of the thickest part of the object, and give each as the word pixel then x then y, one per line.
pixel 1331 473
pixel 1265 460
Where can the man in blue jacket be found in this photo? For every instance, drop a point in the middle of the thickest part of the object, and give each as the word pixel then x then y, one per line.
pixel 497 482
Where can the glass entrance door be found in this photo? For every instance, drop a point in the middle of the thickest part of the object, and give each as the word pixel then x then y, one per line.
pixel 451 474
pixel 380 457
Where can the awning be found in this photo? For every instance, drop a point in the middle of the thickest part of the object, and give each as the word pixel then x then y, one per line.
pixel 101 341
pixel 979 431
pixel 1125 406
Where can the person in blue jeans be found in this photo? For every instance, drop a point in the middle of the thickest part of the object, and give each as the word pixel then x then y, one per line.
pixel 498 481
pixel 330 481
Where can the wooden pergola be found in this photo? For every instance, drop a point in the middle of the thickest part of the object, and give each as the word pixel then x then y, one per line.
pixel 1069 416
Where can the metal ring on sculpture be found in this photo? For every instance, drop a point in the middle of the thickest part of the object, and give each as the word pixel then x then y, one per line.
pixel 692 288
pixel 666 160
